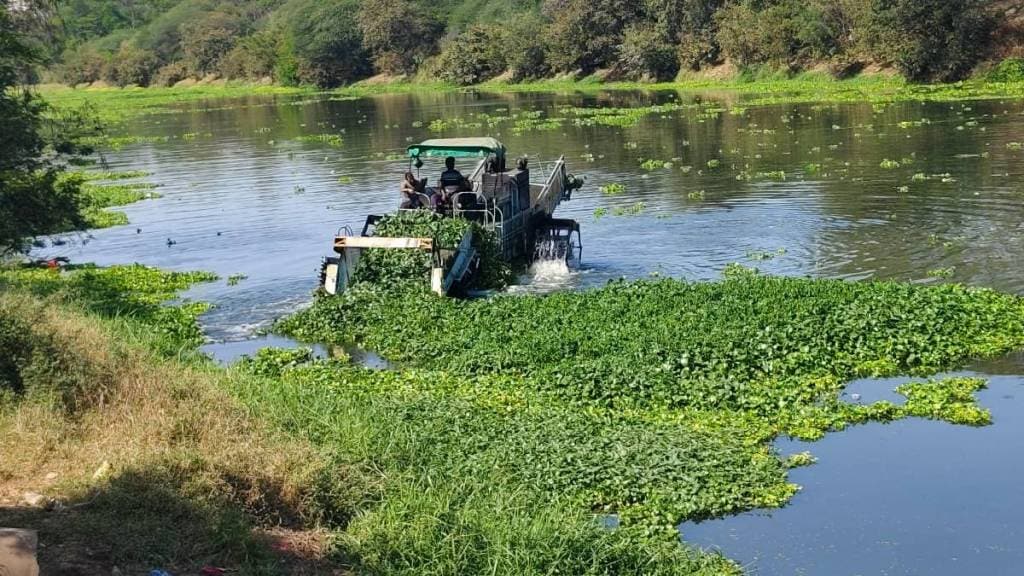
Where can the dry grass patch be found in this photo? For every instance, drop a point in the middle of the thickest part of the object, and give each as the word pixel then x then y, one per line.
pixel 143 462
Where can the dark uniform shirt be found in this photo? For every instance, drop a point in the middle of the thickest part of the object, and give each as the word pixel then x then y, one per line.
pixel 451 178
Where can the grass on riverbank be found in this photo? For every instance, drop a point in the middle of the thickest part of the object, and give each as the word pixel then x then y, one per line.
pixel 114 104
pixel 142 459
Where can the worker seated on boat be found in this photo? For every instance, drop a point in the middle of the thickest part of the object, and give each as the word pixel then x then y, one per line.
pixel 452 181
pixel 413 192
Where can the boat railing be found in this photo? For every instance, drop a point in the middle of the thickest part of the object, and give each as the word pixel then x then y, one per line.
pixel 546 169
pixel 544 198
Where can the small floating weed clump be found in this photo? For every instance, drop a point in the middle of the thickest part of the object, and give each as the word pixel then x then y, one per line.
pixel 765 255
pixel 109 175
pixel 951 400
pixel 654 164
pixel 119 142
pixel 236 279
pixel 613 189
pixel 634 209
pixel 333 140
pixel 889 164
pixel 777 175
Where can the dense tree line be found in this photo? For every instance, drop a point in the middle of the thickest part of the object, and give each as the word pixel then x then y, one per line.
pixel 36 197
pixel 332 42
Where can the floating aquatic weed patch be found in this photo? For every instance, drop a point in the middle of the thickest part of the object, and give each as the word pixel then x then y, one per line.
pixel 443 124
pixel 654 164
pixel 655 400
pixel 756 344
pixel 236 279
pixel 333 140
pixel 613 189
pixel 110 175
pixel 765 255
pixel 941 272
pixel 951 400
pixel 650 471
pixel 107 195
pixel 530 124
pixel 119 142
pixel 133 293
pixel 777 175
pixel 610 116
pixel 98 194
pixel 634 209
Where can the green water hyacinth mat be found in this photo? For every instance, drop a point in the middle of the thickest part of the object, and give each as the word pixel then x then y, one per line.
pixel 656 400
pixel 134 293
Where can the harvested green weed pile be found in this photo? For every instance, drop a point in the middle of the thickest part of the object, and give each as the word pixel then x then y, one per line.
pixel 386 267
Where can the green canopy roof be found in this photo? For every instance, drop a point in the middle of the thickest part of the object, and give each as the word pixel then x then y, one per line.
pixel 457 147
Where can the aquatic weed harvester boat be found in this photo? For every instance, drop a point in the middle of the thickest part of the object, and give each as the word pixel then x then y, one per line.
pixel 515 204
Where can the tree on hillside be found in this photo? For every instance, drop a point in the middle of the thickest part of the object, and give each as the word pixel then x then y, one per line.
pixel 398 34
pixel 253 57
pixel 34 199
pixel 585 35
pixel 322 42
pixel 647 53
pixel 473 56
pixel 131 66
pixel 779 33
pixel 524 46
pixel 204 43
pixel 932 40
pixel 690 27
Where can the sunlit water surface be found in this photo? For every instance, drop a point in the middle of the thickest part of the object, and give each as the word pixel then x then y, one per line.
pixel 241 196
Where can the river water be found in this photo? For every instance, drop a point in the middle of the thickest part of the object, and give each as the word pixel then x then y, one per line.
pixel 924 192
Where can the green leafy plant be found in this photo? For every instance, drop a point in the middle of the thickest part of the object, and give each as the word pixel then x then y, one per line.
pixel 613 189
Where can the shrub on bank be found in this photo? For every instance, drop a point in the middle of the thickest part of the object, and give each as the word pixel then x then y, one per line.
pixel 131 65
pixel 399 35
pixel 253 58
pixel 205 43
pixel 321 42
pixel 476 55
pixel 1009 70
pixel 646 54
pixel 932 40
